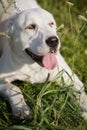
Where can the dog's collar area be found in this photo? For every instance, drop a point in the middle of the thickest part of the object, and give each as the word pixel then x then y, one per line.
pixel 35 57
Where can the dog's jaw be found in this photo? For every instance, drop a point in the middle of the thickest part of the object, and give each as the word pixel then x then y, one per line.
pixel 34 56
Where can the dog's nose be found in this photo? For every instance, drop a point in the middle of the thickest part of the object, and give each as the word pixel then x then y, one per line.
pixel 52 41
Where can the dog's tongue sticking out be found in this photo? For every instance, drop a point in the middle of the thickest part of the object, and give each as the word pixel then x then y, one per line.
pixel 49 61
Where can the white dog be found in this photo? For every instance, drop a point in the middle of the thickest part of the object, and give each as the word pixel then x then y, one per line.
pixel 31 53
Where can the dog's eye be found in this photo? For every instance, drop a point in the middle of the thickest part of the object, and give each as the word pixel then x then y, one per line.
pixel 51 24
pixel 31 26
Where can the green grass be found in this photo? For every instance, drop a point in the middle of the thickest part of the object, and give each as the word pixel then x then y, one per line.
pixel 53 106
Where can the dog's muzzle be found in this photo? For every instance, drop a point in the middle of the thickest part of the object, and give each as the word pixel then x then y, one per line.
pixel 52 42
pixel 49 60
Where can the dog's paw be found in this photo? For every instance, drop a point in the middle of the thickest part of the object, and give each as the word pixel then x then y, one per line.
pixel 83 104
pixel 22 111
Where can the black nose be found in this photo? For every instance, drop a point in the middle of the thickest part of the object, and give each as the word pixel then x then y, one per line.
pixel 52 42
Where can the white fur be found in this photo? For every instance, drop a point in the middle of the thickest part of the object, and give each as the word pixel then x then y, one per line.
pixel 16 64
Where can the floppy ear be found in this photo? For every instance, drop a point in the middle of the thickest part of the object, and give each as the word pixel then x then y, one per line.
pixel 21 5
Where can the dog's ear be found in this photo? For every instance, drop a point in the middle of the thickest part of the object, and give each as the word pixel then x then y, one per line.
pixel 20 5
pixel 17 7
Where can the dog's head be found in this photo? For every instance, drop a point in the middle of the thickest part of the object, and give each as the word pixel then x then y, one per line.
pixel 34 32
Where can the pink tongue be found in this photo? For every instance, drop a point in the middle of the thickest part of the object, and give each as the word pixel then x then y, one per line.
pixel 49 61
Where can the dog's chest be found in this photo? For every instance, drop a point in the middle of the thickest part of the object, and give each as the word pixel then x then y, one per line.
pixel 33 74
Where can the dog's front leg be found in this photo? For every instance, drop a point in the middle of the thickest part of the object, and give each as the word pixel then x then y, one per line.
pixel 82 96
pixel 14 95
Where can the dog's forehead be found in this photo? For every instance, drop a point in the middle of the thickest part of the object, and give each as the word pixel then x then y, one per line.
pixel 35 15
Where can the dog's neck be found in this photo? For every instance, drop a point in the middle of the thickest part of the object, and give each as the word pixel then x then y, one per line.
pixel 11 61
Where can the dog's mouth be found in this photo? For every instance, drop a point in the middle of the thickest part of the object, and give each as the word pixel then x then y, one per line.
pixel 48 61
